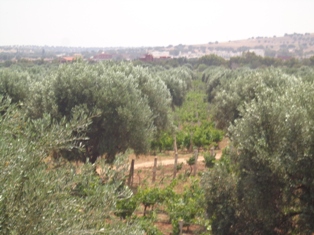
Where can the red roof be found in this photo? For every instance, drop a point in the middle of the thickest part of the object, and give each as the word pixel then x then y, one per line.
pixel 67 59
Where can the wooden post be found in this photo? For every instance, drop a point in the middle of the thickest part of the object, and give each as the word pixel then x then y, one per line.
pixel 154 169
pixel 196 158
pixel 181 226
pixel 191 143
pixel 131 174
pixel 212 151
pixel 175 157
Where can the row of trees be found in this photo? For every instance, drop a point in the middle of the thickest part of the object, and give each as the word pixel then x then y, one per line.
pixel 227 90
pixel 247 59
pixel 251 60
pixel 128 105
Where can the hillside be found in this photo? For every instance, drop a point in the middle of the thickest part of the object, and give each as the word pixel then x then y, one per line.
pixel 289 45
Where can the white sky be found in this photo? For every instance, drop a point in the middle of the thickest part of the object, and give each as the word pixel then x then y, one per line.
pixel 135 23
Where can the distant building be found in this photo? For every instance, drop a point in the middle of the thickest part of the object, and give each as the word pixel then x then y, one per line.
pixel 161 54
pixel 155 55
pixel 147 58
pixel 102 56
pixel 67 59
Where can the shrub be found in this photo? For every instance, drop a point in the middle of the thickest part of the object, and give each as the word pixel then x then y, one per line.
pixel 209 160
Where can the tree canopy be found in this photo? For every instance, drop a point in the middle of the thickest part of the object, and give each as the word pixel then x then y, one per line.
pixel 264 185
pixel 129 105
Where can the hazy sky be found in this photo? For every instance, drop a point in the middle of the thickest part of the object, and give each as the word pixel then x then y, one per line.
pixel 106 23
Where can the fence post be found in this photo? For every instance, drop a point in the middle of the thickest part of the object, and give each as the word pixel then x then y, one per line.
pixel 131 174
pixel 175 157
pixel 212 151
pixel 196 158
pixel 154 169
pixel 181 226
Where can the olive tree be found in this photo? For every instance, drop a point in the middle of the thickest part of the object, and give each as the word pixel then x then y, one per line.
pixel 43 195
pixel 270 169
pixel 14 84
pixel 234 89
pixel 178 81
pixel 128 104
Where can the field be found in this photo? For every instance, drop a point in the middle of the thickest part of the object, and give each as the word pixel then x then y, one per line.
pixel 275 43
pixel 69 133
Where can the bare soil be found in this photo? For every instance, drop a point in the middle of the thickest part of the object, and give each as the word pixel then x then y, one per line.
pixel 143 172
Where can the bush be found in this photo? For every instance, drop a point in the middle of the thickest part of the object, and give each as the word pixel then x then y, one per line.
pixel 185 206
pixel 40 194
pixel 209 160
pixel 269 166
pixel 126 207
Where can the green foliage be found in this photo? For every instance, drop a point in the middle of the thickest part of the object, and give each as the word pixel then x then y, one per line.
pixel 179 166
pixel 192 118
pixel 209 160
pixel 125 207
pixel 201 67
pixel 149 197
pixel 253 61
pixel 236 88
pixel 194 109
pixel 219 185
pixel 191 162
pixel 166 141
pixel 162 142
pixel 265 186
pixel 148 226
pixel 205 135
pixel 212 60
pixel 262 184
pixel 186 206
pixel 213 77
pixel 183 139
pixel 178 81
pixel 14 84
pixel 128 104
pixel 43 195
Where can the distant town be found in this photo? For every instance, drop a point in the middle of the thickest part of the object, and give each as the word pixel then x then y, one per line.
pixel 285 47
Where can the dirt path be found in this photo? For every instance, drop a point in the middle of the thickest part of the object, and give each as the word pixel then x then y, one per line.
pixel 148 161
pixel 168 161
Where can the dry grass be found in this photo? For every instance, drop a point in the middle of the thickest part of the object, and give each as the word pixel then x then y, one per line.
pixel 272 43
